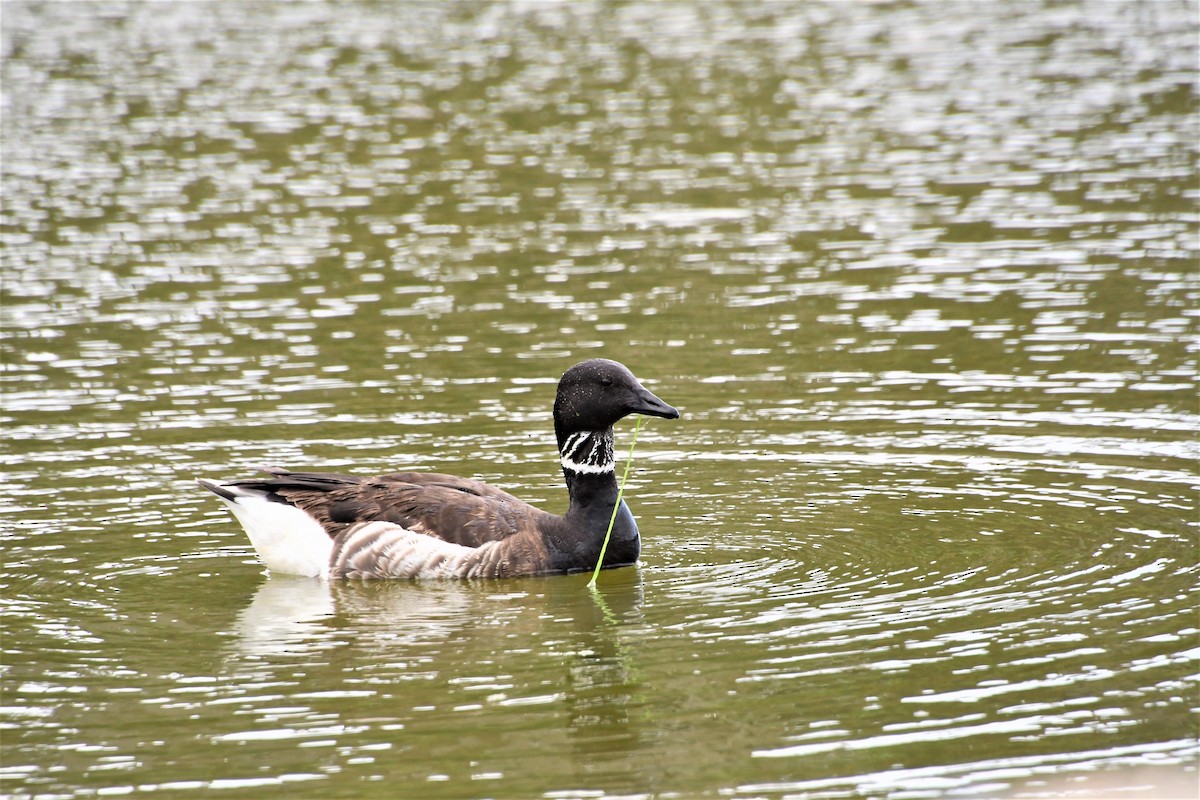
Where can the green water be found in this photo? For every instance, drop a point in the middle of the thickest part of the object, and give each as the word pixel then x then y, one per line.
pixel 922 279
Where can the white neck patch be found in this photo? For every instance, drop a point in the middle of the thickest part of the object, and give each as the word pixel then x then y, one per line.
pixel 588 452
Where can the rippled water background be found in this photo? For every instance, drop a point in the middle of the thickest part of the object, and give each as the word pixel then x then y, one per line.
pixel 922 278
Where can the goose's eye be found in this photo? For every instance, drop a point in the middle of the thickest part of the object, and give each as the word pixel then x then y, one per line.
pixel 606 381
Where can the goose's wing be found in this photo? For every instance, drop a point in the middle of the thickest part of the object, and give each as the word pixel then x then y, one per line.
pixel 458 510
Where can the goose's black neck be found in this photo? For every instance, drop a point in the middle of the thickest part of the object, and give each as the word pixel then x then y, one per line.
pixel 590 474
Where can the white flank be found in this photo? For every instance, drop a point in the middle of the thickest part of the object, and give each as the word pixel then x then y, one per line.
pixel 385 550
pixel 285 538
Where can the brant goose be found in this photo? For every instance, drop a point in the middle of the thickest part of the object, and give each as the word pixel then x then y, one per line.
pixel 427 525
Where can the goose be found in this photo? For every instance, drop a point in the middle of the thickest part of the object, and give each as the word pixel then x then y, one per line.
pixel 417 525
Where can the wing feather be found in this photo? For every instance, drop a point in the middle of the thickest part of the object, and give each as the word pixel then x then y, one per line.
pixel 456 510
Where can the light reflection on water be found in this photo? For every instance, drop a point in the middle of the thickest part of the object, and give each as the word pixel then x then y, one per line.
pixel 921 278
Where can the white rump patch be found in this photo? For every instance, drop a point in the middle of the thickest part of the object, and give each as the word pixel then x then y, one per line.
pixel 286 539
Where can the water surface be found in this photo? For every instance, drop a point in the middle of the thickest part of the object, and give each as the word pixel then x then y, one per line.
pixel 921 278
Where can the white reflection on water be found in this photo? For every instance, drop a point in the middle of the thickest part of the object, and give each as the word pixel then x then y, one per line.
pixel 1118 771
pixel 285 616
pixel 293 615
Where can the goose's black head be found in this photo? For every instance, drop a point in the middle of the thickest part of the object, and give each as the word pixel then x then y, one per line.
pixel 593 395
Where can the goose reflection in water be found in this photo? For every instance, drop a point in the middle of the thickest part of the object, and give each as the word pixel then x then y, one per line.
pixel 521 636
